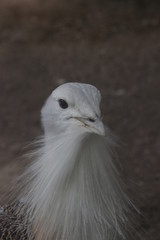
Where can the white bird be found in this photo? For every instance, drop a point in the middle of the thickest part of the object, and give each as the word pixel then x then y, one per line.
pixel 73 189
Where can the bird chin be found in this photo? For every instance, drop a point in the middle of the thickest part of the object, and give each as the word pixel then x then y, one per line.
pixel 100 130
pixel 96 131
pixel 88 130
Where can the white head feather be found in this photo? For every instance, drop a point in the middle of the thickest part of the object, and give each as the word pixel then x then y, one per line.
pixel 74 192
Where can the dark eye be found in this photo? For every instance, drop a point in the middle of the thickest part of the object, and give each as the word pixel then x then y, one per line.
pixel 62 103
pixel 91 119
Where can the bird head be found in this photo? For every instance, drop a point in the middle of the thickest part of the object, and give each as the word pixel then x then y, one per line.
pixel 73 107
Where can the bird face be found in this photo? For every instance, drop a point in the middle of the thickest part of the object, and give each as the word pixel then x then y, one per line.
pixel 73 106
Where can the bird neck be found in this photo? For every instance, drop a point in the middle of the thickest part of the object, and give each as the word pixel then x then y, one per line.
pixel 75 193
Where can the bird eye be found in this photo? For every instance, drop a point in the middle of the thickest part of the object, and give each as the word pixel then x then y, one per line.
pixel 62 103
pixel 91 119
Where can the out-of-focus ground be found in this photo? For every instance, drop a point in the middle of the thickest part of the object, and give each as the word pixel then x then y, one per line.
pixel 114 45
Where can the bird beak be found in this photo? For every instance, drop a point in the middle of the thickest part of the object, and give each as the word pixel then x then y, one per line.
pixel 95 127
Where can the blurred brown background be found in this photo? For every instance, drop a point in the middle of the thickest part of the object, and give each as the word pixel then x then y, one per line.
pixel 114 45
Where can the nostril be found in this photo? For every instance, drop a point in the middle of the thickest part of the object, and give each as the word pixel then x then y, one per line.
pixel 91 119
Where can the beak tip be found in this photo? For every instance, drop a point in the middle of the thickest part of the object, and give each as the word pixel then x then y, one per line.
pixel 100 129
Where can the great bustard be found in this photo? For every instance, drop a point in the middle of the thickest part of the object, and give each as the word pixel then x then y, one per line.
pixel 72 190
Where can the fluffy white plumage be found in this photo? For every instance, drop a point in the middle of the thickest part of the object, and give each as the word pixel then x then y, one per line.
pixel 73 190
